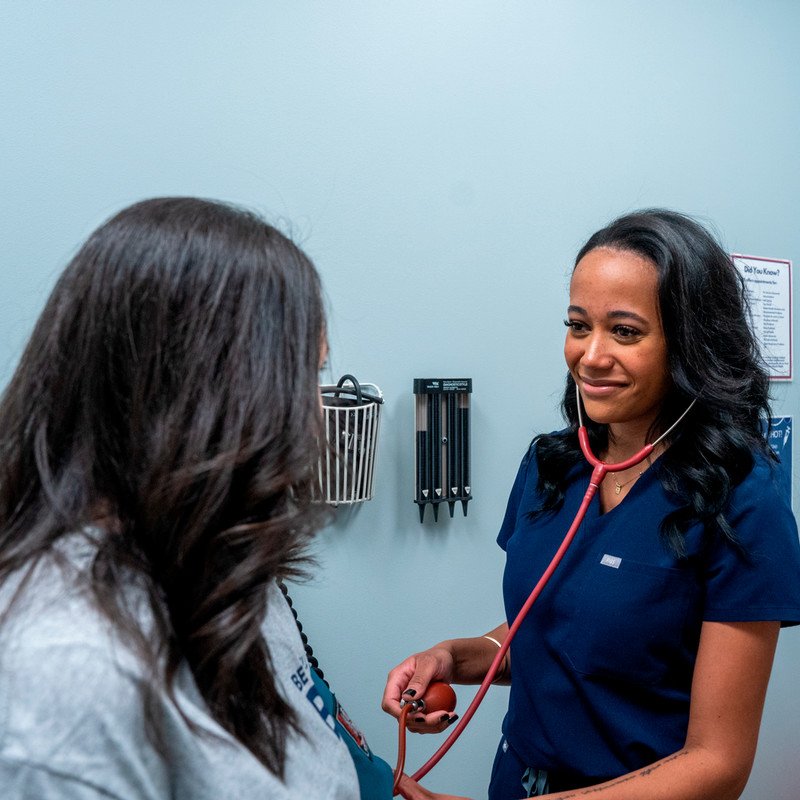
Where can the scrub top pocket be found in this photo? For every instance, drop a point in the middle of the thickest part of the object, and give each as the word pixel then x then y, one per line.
pixel 629 620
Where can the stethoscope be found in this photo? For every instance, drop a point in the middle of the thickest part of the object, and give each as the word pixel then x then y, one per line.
pixel 599 471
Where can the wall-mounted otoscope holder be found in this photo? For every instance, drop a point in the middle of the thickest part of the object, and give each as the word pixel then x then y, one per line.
pixel 352 419
pixel 441 414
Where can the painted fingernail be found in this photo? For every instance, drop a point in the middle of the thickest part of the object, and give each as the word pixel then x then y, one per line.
pixel 444 718
pixel 452 719
pixel 410 692
pixel 419 719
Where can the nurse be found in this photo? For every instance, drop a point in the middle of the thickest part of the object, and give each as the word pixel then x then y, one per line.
pixel 643 666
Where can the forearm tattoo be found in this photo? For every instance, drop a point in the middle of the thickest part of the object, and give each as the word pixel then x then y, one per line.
pixel 589 790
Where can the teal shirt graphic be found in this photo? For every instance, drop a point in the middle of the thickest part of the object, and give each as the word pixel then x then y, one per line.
pixel 375 776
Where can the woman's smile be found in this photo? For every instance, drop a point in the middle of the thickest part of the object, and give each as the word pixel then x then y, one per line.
pixel 594 387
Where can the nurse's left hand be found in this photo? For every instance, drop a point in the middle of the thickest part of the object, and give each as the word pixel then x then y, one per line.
pixel 411 790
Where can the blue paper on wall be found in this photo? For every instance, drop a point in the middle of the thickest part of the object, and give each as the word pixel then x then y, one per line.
pixel 780 440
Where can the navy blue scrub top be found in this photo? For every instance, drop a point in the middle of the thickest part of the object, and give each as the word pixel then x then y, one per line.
pixel 602 666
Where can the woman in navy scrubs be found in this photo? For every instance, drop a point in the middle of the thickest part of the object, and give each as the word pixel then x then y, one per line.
pixel 642 668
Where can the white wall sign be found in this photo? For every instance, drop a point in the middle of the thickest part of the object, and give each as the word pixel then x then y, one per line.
pixel 769 288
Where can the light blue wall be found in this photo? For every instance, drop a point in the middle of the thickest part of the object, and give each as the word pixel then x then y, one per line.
pixel 441 163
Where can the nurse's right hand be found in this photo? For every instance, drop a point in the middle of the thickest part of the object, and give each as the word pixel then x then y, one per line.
pixel 409 680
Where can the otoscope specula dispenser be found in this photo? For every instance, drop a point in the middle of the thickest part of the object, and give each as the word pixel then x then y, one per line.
pixel 442 419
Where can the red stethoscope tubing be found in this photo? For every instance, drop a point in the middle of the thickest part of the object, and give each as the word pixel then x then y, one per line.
pixel 601 469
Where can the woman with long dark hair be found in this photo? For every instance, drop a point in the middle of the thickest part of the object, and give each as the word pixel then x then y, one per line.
pixel 158 462
pixel 641 669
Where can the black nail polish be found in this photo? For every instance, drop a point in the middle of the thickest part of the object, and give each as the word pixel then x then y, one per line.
pixel 452 719
pixel 419 719
pixel 444 718
pixel 410 692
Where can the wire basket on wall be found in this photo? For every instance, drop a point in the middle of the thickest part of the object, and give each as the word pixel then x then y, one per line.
pixel 352 418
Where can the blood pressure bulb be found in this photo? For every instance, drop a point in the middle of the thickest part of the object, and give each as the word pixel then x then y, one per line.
pixel 438 696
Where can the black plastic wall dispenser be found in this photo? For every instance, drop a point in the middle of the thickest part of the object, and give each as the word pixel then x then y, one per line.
pixel 442 446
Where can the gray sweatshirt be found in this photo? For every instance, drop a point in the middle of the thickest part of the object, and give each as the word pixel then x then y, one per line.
pixel 71 713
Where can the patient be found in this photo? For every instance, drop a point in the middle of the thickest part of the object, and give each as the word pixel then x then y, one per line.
pixel 158 444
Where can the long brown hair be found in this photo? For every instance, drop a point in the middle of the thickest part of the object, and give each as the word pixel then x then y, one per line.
pixel 169 389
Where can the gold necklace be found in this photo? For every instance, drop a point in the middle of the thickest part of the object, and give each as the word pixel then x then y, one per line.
pixel 618 486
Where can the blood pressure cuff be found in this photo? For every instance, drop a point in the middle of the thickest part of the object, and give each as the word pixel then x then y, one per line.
pixel 375 776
